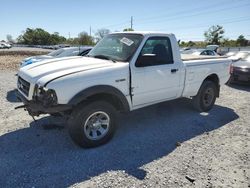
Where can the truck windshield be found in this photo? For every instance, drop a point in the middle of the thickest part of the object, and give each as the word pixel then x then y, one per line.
pixel 117 47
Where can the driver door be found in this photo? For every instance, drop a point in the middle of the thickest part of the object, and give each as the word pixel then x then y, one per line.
pixel 155 76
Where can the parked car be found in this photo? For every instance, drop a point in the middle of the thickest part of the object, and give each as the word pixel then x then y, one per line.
pixel 62 52
pixel 200 52
pixel 185 49
pixel 123 72
pixel 230 54
pixel 240 70
pixel 4 45
pixel 239 55
pixel 212 47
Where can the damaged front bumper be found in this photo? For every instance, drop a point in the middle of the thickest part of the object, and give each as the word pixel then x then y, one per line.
pixel 35 108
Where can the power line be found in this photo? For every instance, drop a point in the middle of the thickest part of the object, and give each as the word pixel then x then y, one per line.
pixel 186 13
pixel 118 24
pixel 227 21
pixel 197 14
pixel 182 12
pixel 200 9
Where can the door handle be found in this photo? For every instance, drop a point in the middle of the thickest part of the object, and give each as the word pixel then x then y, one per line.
pixel 174 70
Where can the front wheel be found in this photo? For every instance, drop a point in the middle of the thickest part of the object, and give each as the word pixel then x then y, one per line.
pixel 92 124
pixel 206 96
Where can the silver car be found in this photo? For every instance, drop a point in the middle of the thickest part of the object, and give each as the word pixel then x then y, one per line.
pixel 62 52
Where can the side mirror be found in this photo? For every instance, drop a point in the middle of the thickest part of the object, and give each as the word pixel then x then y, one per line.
pixel 145 60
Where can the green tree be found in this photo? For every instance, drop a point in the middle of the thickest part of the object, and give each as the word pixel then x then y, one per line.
pixel 228 43
pixel 200 44
pixel 190 43
pixel 241 41
pixel 128 29
pixel 10 38
pixel 214 35
pixel 39 36
pixel 183 44
pixel 101 33
pixel 85 39
pixel 55 38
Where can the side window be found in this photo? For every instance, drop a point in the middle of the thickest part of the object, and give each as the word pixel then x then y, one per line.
pixel 84 53
pixel 210 53
pixel 156 51
pixel 204 53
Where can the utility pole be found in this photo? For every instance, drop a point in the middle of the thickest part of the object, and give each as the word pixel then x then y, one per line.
pixel 90 31
pixel 131 22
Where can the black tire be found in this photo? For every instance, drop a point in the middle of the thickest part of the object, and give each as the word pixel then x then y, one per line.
pixel 78 126
pixel 206 96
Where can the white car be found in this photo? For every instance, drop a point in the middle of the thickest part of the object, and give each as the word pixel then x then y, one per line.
pixel 62 52
pixel 239 55
pixel 123 72
pixel 201 52
pixel 4 45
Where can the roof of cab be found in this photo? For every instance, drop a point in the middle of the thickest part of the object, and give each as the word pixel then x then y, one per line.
pixel 145 32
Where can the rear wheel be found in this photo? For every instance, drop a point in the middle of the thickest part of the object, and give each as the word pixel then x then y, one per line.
pixel 92 124
pixel 206 96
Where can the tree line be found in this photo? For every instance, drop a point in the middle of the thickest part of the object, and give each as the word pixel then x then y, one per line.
pixel 38 36
pixel 215 35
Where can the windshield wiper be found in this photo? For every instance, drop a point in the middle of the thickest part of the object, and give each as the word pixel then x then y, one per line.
pixel 103 57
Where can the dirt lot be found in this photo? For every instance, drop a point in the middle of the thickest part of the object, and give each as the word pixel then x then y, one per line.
pixel 165 145
pixel 10 59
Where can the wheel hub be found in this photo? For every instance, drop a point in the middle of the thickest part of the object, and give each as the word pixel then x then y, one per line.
pixel 208 96
pixel 97 125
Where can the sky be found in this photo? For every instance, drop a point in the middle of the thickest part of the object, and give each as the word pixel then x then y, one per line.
pixel 185 18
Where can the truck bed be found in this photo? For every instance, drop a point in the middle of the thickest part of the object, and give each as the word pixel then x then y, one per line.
pixel 198 66
pixel 189 57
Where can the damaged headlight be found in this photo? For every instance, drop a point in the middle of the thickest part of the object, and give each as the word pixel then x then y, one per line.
pixel 46 96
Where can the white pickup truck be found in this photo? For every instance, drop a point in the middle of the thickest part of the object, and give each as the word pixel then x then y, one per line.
pixel 123 72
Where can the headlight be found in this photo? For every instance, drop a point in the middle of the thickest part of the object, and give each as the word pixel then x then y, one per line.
pixel 46 96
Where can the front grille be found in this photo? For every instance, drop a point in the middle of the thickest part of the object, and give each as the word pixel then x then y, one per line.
pixel 23 85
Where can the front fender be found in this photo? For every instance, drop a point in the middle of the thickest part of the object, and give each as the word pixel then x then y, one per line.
pixel 100 89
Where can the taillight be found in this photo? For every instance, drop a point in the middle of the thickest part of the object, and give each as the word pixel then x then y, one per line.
pixel 231 69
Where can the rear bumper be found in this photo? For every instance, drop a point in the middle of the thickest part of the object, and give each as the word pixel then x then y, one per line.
pixel 35 108
pixel 241 74
pixel 242 77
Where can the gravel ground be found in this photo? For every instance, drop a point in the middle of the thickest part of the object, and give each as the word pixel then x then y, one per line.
pixel 165 145
pixel 14 59
pixel 26 49
pixel 11 59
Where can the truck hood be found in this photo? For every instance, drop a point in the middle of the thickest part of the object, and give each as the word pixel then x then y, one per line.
pixel 47 70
